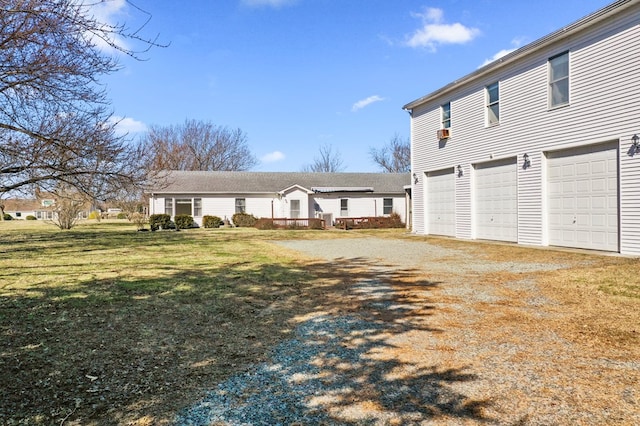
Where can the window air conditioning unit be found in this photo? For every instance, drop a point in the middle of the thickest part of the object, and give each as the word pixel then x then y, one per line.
pixel 443 134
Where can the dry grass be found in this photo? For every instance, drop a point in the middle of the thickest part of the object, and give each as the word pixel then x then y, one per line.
pixel 103 325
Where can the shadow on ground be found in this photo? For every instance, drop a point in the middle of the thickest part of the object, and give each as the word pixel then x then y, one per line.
pixel 271 344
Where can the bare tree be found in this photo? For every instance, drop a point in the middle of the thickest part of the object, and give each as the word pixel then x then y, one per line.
pixel 68 205
pixel 198 145
pixel 327 161
pixel 55 127
pixel 394 157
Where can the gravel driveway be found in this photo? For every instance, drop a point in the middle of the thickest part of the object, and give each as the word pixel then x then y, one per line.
pixel 450 348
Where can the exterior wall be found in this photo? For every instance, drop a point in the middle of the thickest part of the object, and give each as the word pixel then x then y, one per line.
pixel 604 106
pixel 270 205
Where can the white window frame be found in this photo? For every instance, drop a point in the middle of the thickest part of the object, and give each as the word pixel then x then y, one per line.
pixel 241 205
pixel 294 212
pixel 168 206
pixel 493 116
pixel 197 207
pixel 555 81
pixel 445 115
pixel 344 207
pixel 387 206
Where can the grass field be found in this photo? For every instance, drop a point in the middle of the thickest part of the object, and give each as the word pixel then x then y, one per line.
pixel 106 325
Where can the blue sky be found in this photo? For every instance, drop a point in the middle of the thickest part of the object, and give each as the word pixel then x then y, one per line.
pixel 295 75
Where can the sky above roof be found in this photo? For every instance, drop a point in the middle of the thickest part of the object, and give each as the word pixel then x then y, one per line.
pixel 296 75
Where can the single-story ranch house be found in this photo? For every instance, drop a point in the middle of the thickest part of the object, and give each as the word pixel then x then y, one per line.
pixel 541 147
pixel 281 195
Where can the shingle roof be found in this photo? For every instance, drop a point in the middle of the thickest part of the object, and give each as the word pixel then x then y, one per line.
pixel 271 182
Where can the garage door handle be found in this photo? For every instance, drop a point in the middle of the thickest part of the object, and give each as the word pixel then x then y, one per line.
pixel 575 219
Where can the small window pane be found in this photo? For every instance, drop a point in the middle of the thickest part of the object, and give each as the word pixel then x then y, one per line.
pixel 446 115
pixel 344 207
pixel 197 207
pixel 387 206
pixel 168 206
pixel 492 91
pixel 560 92
pixel 240 205
pixel 559 67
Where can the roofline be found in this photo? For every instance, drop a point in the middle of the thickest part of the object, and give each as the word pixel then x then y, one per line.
pixel 532 47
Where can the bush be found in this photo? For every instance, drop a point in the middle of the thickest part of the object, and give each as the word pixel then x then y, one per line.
pixel 160 221
pixel 183 221
pixel 244 220
pixel 211 221
pixel 95 215
pixel 31 217
pixel 265 224
pixel 121 215
pixel 7 216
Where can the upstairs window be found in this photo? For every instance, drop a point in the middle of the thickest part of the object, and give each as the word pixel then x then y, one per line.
pixel 446 115
pixel 559 80
pixel 493 103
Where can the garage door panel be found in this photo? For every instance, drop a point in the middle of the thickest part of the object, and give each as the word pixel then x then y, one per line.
pixel 587 215
pixel 496 210
pixel 441 202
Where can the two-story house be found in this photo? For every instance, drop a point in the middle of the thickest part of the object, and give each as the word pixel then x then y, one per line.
pixel 541 147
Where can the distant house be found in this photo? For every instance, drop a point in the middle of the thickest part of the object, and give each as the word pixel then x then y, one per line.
pixel 281 194
pixel 18 208
pixel 541 147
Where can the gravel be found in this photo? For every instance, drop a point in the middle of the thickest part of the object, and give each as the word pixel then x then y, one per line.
pixel 359 369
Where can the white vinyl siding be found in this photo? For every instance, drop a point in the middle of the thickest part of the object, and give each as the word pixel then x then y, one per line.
pixel 604 106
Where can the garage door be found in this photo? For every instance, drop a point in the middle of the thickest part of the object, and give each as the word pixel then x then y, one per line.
pixel 496 200
pixel 441 201
pixel 583 197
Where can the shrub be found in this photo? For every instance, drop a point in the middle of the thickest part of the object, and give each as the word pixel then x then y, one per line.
pixel 159 221
pixel 95 215
pixel 395 221
pixel 265 224
pixel 139 220
pixel 183 221
pixel 121 215
pixel 7 216
pixel 31 217
pixel 315 224
pixel 244 220
pixel 211 221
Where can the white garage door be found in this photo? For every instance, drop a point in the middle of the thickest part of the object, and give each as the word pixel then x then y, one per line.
pixel 583 197
pixel 496 200
pixel 441 202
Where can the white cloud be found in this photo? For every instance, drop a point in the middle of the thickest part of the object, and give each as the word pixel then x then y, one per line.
pixel 268 3
pixel 366 102
pixel 435 32
pixel 272 157
pixel 106 12
pixel 504 52
pixel 125 125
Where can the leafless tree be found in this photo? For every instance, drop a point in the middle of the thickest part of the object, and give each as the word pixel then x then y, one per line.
pixel 327 161
pixel 394 157
pixel 55 126
pixel 198 145
pixel 68 204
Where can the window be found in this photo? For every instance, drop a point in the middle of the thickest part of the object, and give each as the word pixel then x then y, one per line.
pixel 168 206
pixel 183 206
pixel 18 214
pixel 446 115
pixel 295 209
pixel 240 205
pixel 559 80
pixel 197 207
pixel 344 207
pixel 387 206
pixel 493 103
